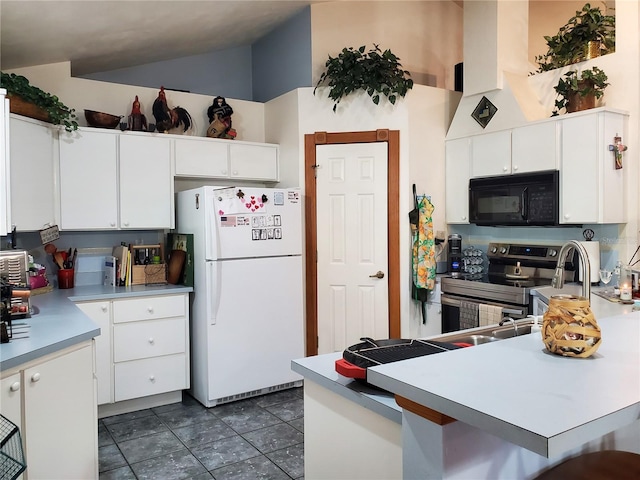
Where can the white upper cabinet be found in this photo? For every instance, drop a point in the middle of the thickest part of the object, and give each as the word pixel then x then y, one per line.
pixel 535 147
pixel 201 158
pixel 253 162
pixel 5 184
pixel 146 182
pixel 32 144
pixel 592 190
pixel 457 180
pixel 226 159
pixel 88 180
pixel 491 154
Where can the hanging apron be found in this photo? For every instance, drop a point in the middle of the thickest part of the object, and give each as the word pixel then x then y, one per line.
pixel 423 252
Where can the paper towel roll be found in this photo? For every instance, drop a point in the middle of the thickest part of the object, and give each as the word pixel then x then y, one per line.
pixel 593 251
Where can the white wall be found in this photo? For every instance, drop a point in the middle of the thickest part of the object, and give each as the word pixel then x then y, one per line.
pixel 425 35
pixel 422 118
pixel 117 99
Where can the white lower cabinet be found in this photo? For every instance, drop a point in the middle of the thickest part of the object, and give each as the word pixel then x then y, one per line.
pixel 100 313
pixel 145 348
pixel 56 397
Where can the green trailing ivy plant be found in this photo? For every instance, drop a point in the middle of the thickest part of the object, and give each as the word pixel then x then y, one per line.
pixel 568 46
pixel 592 81
pixel 59 113
pixel 376 72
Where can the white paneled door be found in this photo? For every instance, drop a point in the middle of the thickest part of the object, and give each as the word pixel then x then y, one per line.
pixel 351 193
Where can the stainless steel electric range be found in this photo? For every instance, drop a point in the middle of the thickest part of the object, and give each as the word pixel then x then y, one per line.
pixel 513 270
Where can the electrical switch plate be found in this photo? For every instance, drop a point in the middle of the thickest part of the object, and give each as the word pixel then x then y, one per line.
pixel 49 234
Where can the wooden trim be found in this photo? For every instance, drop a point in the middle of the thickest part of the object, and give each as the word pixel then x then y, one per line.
pixel 392 137
pixel 424 412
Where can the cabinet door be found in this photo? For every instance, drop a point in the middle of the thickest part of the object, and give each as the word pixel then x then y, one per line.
pixel 579 192
pixel 32 198
pixel 10 399
pixel 457 180
pixel 61 417
pixel 535 147
pixel 146 182
pixel 201 158
pixel 491 154
pixel 88 180
pixel 100 313
pixel 5 184
pixel 254 162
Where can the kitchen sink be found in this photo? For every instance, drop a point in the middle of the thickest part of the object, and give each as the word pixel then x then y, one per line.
pixel 474 339
pixel 488 334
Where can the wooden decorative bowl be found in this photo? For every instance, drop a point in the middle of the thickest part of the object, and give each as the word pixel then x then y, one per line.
pixel 101 120
pixel 569 327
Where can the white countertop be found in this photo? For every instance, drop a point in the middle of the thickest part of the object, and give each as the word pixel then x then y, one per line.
pixel 517 390
pixel 60 324
pixel 601 307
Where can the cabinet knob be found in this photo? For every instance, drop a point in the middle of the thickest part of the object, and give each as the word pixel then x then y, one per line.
pixel 152 378
pixel 235 172
pixel 150 309
pixel 151 340
pixel 504 169
pixel 224 172
pixel 567 216
pixel 15 386
pixel 112 224
pixel 464 217
pixel 126 224
pixel 103 308
pixel 35 377
pixel 515 168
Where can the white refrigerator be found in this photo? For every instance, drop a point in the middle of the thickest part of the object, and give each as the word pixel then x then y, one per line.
pixel 247 320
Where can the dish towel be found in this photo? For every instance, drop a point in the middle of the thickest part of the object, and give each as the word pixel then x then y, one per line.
pixel 468 315
pixel 489 314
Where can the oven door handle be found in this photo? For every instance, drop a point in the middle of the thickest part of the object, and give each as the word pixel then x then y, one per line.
pixel 454 302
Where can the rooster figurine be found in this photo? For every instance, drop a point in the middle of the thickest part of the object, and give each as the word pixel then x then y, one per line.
pixel 167 118
pixel 137 121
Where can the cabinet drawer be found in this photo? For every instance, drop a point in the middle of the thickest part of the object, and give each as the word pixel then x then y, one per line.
pixel 148 308
pixel 135 340
pixel 150 376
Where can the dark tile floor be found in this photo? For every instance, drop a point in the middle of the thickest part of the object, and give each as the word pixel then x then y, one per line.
pixel 256 438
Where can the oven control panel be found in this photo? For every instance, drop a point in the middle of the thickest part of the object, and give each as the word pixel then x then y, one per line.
pixel 523 252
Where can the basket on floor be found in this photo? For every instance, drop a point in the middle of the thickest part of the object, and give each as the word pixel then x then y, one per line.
pixel 12 462
pixel 569 327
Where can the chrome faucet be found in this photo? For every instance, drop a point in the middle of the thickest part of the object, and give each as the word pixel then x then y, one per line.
pixel 558 276
pixel 513 323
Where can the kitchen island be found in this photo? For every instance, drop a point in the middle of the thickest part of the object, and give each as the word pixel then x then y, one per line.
pixel 506 409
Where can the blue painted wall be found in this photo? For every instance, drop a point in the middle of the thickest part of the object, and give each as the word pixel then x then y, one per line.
pixel 225 72
pixel 282 59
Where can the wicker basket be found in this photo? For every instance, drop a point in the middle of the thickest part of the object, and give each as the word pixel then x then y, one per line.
pixel 569 327
pixel 19 106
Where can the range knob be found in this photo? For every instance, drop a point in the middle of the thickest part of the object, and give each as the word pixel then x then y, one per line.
pixel 494 249
pixel 553 252
pixel 503 250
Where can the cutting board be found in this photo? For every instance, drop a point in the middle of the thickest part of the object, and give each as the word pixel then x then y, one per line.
pixel 176 264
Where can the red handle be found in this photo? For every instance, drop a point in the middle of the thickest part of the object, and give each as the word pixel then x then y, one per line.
pixel 349 370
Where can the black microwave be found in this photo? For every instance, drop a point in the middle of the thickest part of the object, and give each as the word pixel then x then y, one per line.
pixel 511 200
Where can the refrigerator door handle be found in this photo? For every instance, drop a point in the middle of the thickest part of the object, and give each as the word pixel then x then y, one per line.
pixel 213 292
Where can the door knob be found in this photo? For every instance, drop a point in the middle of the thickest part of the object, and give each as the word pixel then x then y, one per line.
pixel 379 274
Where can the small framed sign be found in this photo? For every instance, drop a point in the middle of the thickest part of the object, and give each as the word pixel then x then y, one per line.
pixel 484 112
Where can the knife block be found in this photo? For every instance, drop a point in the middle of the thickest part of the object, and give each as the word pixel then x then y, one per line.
pixel 151 273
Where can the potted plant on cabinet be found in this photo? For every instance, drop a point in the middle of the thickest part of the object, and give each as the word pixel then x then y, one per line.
pixel 29 100
pixel 580 91
pixel 588 34
pixel 376 72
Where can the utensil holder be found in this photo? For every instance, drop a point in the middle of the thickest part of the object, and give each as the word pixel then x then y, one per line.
pixel 569 327
pixel 65 277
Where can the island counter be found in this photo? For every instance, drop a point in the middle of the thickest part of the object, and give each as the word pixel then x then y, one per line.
pixel 519 408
